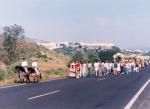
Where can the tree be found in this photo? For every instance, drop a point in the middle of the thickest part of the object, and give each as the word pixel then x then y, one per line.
pixel 107 55
pixel 80 55
pixel 93 56
pixel 118 59
pixel 11 35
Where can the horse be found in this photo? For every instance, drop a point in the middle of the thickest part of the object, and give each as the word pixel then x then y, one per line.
pixel 23 75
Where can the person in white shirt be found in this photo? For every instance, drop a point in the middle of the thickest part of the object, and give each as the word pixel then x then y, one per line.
pixel 133 66
pixel 106 66
pixel 81 70
pixel 35 66
pixel 118 68
pixel 84 69
pixel 101 68
pixel 24 64
pixel 96 68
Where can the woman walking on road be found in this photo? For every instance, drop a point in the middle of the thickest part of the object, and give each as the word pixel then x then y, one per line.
pixel 84 69
pixel 96 68
pixel 77 65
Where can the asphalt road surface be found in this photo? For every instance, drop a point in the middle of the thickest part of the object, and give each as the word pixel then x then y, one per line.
pixel 107 92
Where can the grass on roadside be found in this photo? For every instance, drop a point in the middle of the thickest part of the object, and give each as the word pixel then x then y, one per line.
pixel 55 71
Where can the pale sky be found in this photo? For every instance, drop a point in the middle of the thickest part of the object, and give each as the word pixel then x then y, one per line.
pixel 123 22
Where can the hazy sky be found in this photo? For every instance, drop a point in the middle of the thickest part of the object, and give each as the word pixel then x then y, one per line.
pixel 123 22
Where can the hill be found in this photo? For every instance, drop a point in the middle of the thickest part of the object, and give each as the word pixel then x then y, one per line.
pixel 51 63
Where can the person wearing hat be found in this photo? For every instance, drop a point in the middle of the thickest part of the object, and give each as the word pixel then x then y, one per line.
pixel 24 64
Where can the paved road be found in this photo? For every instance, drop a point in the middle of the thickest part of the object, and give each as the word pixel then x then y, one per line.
pixel 110 92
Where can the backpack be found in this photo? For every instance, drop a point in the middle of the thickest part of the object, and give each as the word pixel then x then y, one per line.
pixel 115 65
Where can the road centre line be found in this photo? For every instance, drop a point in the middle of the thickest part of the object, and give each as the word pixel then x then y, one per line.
pixel 132 101
pixel 38 96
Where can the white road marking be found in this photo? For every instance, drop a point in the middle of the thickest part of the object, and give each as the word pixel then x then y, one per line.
pixel 17 85
pixel 130 104
pixel 4 87
pixel 38 96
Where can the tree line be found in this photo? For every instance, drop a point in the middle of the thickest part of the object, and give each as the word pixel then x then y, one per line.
pixel 94 55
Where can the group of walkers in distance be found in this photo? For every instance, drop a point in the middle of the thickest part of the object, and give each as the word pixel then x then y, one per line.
pixel 78 69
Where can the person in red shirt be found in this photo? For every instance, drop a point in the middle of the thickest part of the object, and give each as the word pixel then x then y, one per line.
pixel 77 65
pixel 72 70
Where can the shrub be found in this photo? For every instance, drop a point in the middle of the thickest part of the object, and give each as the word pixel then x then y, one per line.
pixel 2 74
pixel 11 68
pixel 42 57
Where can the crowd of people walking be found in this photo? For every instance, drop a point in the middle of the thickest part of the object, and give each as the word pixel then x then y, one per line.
pixel 98 68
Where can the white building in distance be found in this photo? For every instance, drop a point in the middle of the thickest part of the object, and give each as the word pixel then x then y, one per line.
pixel 49 45
pixel 102 46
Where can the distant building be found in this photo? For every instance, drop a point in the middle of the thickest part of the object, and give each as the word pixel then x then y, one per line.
pixel 50 46
pixel 102 46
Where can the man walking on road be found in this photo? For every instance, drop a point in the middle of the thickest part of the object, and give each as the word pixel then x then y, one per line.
pixel 89 68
